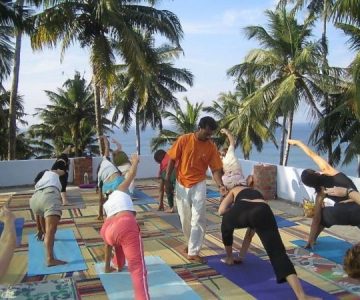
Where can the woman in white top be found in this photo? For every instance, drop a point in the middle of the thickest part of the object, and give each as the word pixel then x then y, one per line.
pixel 121 232
pixel 46 205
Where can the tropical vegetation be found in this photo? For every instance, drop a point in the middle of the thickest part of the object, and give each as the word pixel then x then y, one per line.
pixel 137 80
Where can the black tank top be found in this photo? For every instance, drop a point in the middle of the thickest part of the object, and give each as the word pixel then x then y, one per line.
pixel 249 194
pixel 341 180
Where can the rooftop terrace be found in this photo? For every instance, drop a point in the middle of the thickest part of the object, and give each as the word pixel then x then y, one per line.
pixel 162 237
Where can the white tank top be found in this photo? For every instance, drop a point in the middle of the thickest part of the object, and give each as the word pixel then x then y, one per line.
pixel 118 201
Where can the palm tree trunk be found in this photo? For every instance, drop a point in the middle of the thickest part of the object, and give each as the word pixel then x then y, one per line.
pixel 282 143
pixel 98 113
pixel 13 95
pixel 137 129
pixel 289 133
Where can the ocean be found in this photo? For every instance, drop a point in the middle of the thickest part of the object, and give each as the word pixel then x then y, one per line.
pixel 269 153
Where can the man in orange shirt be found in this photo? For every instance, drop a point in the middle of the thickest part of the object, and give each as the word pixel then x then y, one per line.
pixel 194 153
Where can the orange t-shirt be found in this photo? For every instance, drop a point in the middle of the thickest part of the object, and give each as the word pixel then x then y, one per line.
pixel 194 157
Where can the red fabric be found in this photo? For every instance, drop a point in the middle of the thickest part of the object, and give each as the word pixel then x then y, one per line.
pixel 123 233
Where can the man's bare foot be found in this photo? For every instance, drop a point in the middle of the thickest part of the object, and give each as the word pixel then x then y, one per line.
pixel 109 269
pixel 196 258
pixel 161 207
pixel 170 210
pixel 186 249
pixel 66 203
pixel 231 260
pixel 55 262
pixel 100 218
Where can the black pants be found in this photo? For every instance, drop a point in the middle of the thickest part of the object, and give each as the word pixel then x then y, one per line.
pixel 341 214
pixel 64 180
pixel 258 216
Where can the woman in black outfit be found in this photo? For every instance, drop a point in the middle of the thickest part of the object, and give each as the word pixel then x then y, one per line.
pixel 344 212
pixel 244 207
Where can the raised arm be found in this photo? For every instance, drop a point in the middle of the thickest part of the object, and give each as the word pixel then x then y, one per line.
pixel 322 163
pixel 130 174
pixel 118 145
pixel 229 136
pixel 316 227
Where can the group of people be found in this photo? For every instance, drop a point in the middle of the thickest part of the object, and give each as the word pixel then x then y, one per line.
pixel 183 176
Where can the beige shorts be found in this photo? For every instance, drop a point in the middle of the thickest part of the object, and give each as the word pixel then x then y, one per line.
pixel 46 202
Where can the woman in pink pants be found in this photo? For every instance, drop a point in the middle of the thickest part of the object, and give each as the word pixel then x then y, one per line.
pixel 121 232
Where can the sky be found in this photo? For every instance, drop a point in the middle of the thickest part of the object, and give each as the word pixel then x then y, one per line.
pixel 213 42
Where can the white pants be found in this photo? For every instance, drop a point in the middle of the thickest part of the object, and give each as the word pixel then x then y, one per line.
pixel 191 206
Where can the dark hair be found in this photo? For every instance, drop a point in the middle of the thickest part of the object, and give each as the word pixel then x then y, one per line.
pixel 208 122
pixel 59 165
pixel 311 178
pixel 159 155
pixel 64 156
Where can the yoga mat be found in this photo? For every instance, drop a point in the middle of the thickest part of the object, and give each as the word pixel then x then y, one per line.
pixel 140 198
pixel 63 288
pixel 163 282
pixel 87 185
pixel 281 222
pixel 257 277
pixel 19 224
pixel 212 194
pixel 65 248
pixel 328 247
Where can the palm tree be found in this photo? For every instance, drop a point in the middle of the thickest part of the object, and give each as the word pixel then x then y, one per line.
pixel 4 117
pixel 95 24
pixel 289 65
pixel 69 117
pixel 146 92
pixel 322 9
pixel 184 121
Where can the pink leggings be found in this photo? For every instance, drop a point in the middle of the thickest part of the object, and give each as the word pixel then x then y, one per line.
pixel 123 233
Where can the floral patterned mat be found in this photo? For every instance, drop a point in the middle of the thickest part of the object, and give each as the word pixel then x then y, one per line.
pixel 41 290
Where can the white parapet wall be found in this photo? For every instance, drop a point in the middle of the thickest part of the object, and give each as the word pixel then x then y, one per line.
pixel 22 172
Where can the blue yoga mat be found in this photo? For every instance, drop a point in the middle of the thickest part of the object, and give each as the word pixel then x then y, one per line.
pixel 212 194
pixel 19 224
pixel 328 247
pixel 281 222
pixel 163 282
pixel 257 277
pixel 141 198
pixel 65 248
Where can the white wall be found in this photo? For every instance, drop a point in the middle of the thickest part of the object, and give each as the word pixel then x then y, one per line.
pixel 23 172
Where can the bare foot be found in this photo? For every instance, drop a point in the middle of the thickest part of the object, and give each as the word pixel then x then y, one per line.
pixel 66 203
pixel 109 269
pixel 100 218
pixel 196 258
pixel 186 249
pixel 55 262
pixel 231 260
pixel 161 207
pixel 170 210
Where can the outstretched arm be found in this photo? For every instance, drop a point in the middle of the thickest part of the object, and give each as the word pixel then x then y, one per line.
pixel 226 203
pixel 337 191
pixel 316 227
pixel 246 242
pixel 134 160
pixel 322 163
pixel 229 136
pixel 118 145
